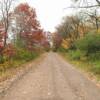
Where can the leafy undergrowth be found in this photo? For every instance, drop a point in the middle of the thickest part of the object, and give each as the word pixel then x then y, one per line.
pixel 92 67
pixel 11 67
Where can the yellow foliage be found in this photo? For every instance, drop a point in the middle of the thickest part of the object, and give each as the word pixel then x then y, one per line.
pixel 98 31
pixel 65 43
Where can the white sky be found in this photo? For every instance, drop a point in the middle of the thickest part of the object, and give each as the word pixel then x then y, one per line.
pixel 50 12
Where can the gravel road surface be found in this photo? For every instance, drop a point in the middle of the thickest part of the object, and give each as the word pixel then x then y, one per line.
pixel 53 79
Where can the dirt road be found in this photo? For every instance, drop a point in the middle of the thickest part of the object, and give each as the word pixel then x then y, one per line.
pixel 53 79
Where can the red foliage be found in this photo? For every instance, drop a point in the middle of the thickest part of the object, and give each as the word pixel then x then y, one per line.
pixel 2 35
pixel 29 15
pixel 30 25
pixel 31 31
pixel 9 51
pixel 1 45
pixel 57 40
pixel 23 7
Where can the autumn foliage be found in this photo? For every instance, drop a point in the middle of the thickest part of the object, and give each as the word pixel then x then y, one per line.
pixel 57 40
pixel 27 38
pixel 29 27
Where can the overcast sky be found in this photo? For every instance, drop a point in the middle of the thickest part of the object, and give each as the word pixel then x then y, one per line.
pixel 50 12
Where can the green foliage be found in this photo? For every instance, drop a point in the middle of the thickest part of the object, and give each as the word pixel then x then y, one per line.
pixel 75 55
pixel 90 44
pixel 24 54
pixel 1 59
pixel 94 56
pixel 96 68
pixel 60 49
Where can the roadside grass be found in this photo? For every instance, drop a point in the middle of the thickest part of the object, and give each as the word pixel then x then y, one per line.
pixel 90 66
pixel 10 67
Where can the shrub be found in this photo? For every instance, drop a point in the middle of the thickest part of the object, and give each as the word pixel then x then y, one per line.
pixel 61 49
pixel 1 59
pixel 75 55
pixel 96 68
pixel 90 44
pixel 25 55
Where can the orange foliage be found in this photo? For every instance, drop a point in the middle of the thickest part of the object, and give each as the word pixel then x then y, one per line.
pixel 9 51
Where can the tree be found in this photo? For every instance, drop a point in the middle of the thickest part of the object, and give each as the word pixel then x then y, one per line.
pixel 90 44
pixel 26 18
pixel 88 5
pixel 28 27
pixel 5 7
pixel 73 28
pixel 56 40
pixel 70 28
pixel 93 18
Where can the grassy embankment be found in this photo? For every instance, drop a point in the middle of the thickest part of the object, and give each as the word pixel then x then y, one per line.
pixel 11 66
pixel 89 65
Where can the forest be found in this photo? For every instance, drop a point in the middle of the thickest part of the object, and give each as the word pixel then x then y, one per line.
pixel 21 37
pixel 77 37
pixel 50 50
pixel 80 36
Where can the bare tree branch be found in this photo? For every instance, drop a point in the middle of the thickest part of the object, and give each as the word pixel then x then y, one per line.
pixel 5 6
pixel 92 6
pixel 98 2
pixel 86 2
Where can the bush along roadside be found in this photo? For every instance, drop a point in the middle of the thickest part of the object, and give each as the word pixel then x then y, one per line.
pixel 89 66
pixel 86 54
pixel 15 61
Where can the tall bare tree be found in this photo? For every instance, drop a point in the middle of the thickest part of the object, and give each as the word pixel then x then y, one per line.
pixel 97 3
pixel 93 17
pixel 5 8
